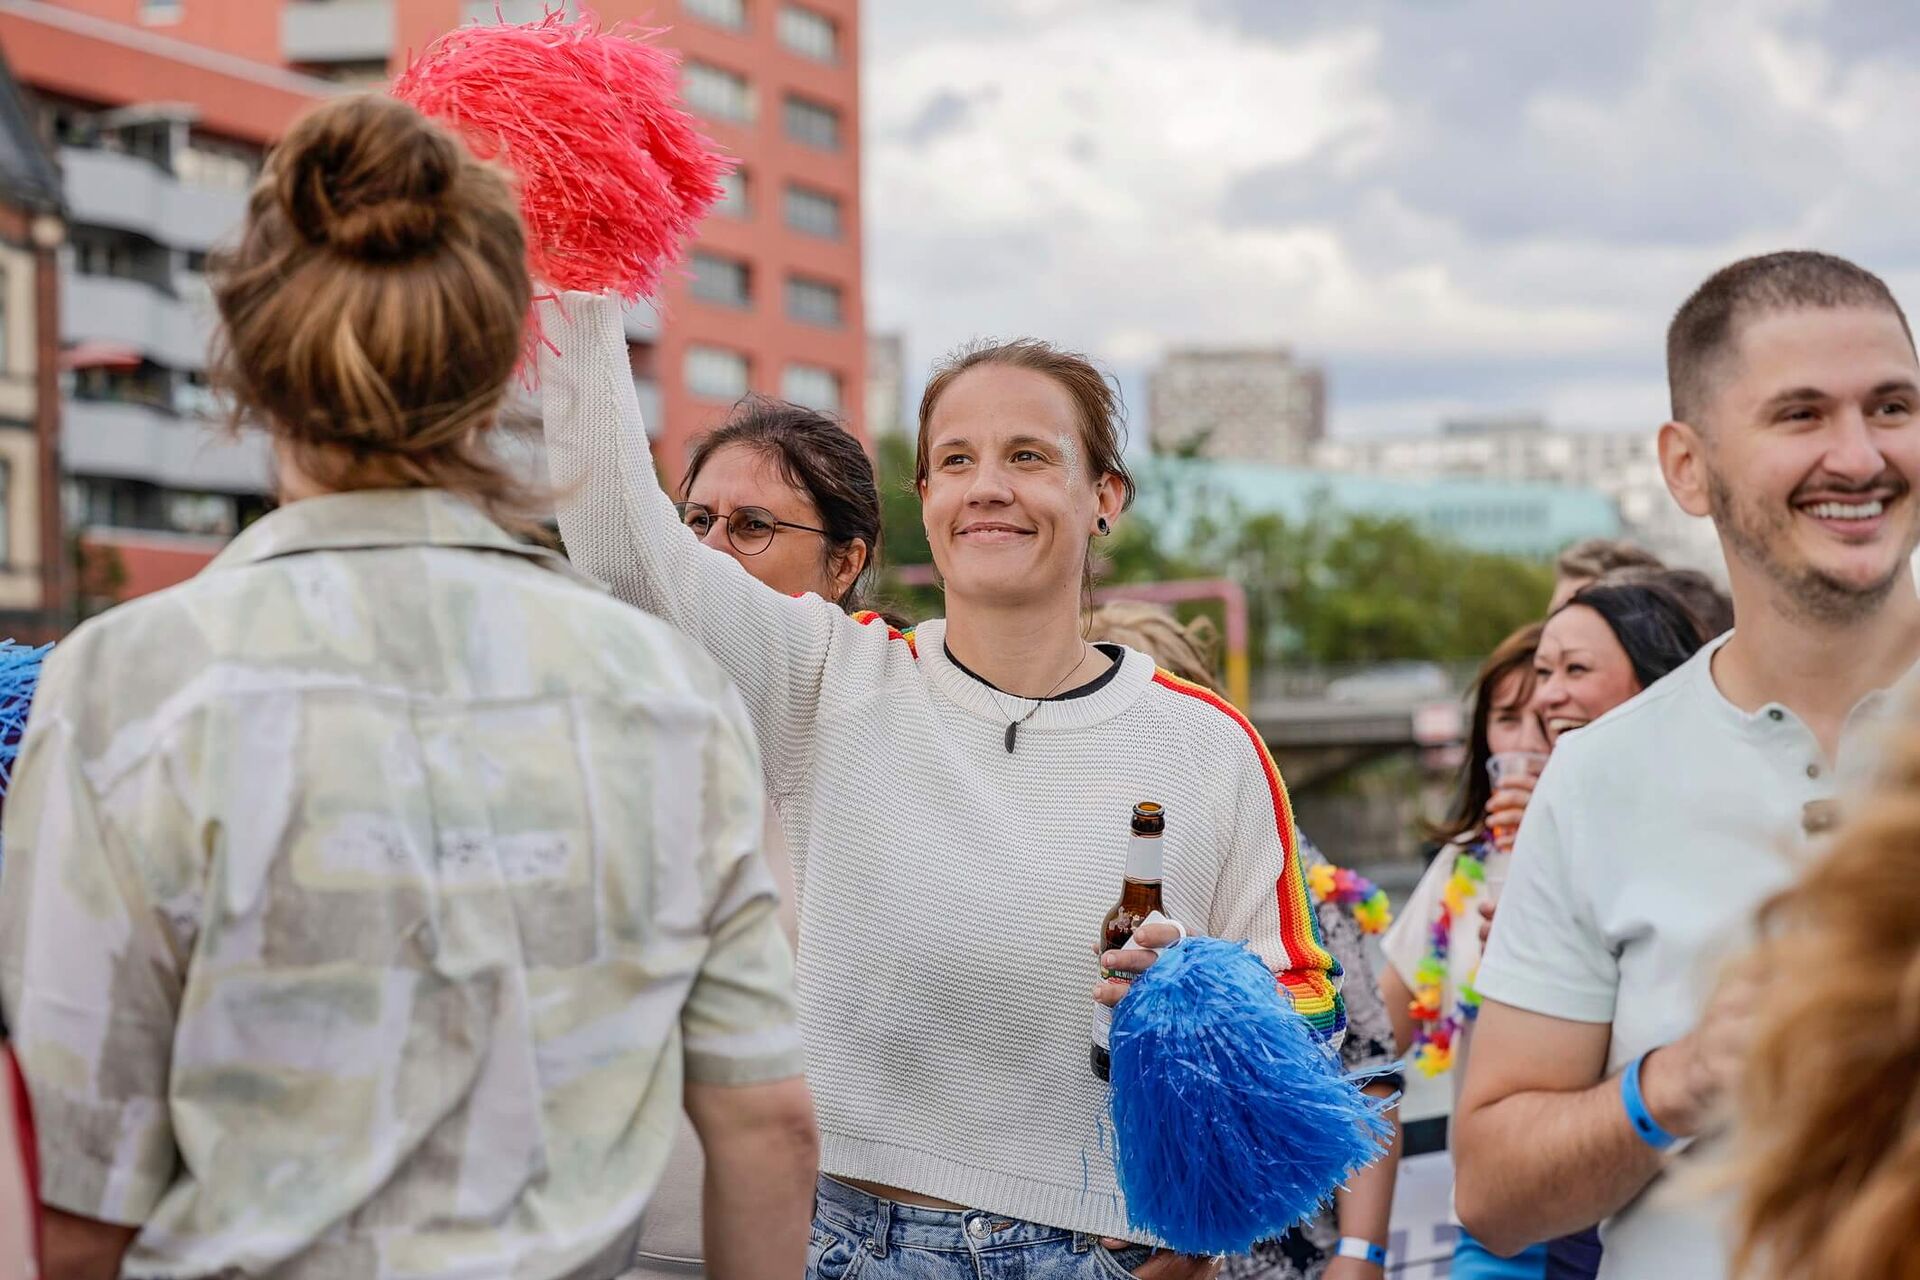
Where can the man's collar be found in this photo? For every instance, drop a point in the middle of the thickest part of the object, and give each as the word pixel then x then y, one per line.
pixel 370 518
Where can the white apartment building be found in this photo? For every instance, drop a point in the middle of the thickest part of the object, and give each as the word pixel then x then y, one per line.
pixel 1251 404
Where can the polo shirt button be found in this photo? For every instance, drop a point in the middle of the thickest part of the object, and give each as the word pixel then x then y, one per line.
pixel 1776 714
pixel 1813 771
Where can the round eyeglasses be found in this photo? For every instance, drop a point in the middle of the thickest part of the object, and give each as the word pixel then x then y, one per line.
pixel 750 530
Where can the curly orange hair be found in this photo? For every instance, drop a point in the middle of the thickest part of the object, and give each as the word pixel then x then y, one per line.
pixel 1828 1153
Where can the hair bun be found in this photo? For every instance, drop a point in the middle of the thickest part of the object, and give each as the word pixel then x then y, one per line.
pixel 369 180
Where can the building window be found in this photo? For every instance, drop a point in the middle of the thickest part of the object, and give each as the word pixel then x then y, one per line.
pixel 733 194
pixel 814 212
pixel 813 124
pixel 722 280
pixel 809 34
pixel 716 373
pixel 812 386
pixel 161 13
pixel 814 302
pixel 731 14
pixel 722 95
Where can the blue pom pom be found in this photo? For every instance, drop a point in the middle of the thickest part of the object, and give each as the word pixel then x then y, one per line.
pixel 1232 1121
pixel 19 673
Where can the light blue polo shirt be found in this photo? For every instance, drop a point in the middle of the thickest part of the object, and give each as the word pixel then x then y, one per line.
pixel 1654 835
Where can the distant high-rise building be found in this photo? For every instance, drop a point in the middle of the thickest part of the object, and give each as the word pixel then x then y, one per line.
pixel 886 385
pixel 159 115
pixel 1624 465
pixel 1253 404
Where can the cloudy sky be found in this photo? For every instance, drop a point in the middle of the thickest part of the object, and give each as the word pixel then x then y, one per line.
pixel 1459 206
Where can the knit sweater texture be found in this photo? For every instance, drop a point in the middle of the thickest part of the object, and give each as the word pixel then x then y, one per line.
pixel 950 892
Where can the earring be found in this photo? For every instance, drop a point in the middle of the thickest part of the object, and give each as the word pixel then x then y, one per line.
pixel 1103 526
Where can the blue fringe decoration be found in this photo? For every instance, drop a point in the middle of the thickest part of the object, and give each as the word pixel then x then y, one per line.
pixel 1232 1122
pixel 19 673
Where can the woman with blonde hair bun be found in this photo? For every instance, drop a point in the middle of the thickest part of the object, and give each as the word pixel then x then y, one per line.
pixel 1828 1122
pixel 374 900
pixel 1185 649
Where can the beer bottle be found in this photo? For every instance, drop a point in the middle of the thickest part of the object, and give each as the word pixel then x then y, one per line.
pixel 1139 898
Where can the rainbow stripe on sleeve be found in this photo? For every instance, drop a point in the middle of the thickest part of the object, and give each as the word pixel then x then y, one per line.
pixel 869 617
pixel 1311 968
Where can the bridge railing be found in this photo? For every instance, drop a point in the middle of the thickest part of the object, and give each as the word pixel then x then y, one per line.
pixel 1362 682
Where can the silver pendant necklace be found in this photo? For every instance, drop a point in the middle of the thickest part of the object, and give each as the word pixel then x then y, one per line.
pixel 1013 726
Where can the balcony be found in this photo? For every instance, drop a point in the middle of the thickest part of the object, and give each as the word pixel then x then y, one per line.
pixel 323 31
pixel 131 313
pixel 134 442
pixel 107 189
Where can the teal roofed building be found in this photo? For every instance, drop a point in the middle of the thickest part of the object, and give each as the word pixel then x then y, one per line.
pixel 1523 519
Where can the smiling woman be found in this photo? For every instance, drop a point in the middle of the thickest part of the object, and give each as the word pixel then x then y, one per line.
pixel 1603 647
pixel 921 775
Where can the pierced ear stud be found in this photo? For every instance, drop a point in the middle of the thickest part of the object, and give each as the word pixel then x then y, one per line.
pixel 1103 526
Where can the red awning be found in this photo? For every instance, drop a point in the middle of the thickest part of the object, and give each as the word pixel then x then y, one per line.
pixel 100 355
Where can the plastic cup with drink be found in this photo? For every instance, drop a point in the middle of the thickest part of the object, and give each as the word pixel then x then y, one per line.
pixel 1503 767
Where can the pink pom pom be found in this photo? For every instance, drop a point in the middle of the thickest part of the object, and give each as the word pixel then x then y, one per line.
pixel 614 175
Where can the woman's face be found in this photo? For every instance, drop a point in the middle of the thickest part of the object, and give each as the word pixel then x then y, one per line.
pixel 1580 672
pixel 1511 723
pixel 795 561
pixel 1008 502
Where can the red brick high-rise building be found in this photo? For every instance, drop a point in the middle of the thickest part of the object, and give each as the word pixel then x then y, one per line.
pixel 160 111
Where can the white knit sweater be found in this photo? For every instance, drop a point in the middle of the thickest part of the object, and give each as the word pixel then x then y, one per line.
pixel 949 892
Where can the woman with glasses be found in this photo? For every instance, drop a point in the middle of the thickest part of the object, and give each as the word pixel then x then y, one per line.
pixel 957 801
pixel 790 494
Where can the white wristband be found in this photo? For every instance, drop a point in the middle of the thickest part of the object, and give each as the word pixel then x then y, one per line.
pixel 1364 1250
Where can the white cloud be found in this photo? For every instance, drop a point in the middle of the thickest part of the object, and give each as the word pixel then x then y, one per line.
pixel 1476 209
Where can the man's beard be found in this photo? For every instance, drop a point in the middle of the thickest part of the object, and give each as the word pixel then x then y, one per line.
pixel 1812 594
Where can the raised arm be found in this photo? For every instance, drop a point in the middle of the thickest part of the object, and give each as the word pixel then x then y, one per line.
pixel 621 527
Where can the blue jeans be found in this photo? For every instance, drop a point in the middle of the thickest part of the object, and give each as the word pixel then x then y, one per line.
pixel 858 1235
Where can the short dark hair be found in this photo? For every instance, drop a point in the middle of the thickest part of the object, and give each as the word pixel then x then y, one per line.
pixel 1705 328
pixel 1594 557
pixel 816 455
pixel 1707 603
pixel 1651 624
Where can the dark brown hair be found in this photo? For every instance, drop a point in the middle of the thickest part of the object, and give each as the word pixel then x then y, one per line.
pixel 374 304
pixel 1511 657
pixel 1707 603
pixel 1704 330
pixel 817 456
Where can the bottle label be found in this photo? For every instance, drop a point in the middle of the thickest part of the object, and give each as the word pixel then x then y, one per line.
pixel 1143 859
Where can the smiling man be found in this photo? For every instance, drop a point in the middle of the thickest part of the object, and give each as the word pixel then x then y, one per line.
pixel 1609 1038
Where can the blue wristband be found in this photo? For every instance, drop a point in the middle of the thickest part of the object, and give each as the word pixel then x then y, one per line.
pixel 1644 1125
pixel 1365 1250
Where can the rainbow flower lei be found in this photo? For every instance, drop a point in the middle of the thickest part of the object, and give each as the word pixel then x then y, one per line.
pixel 1346 888
pixel 1435 1029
